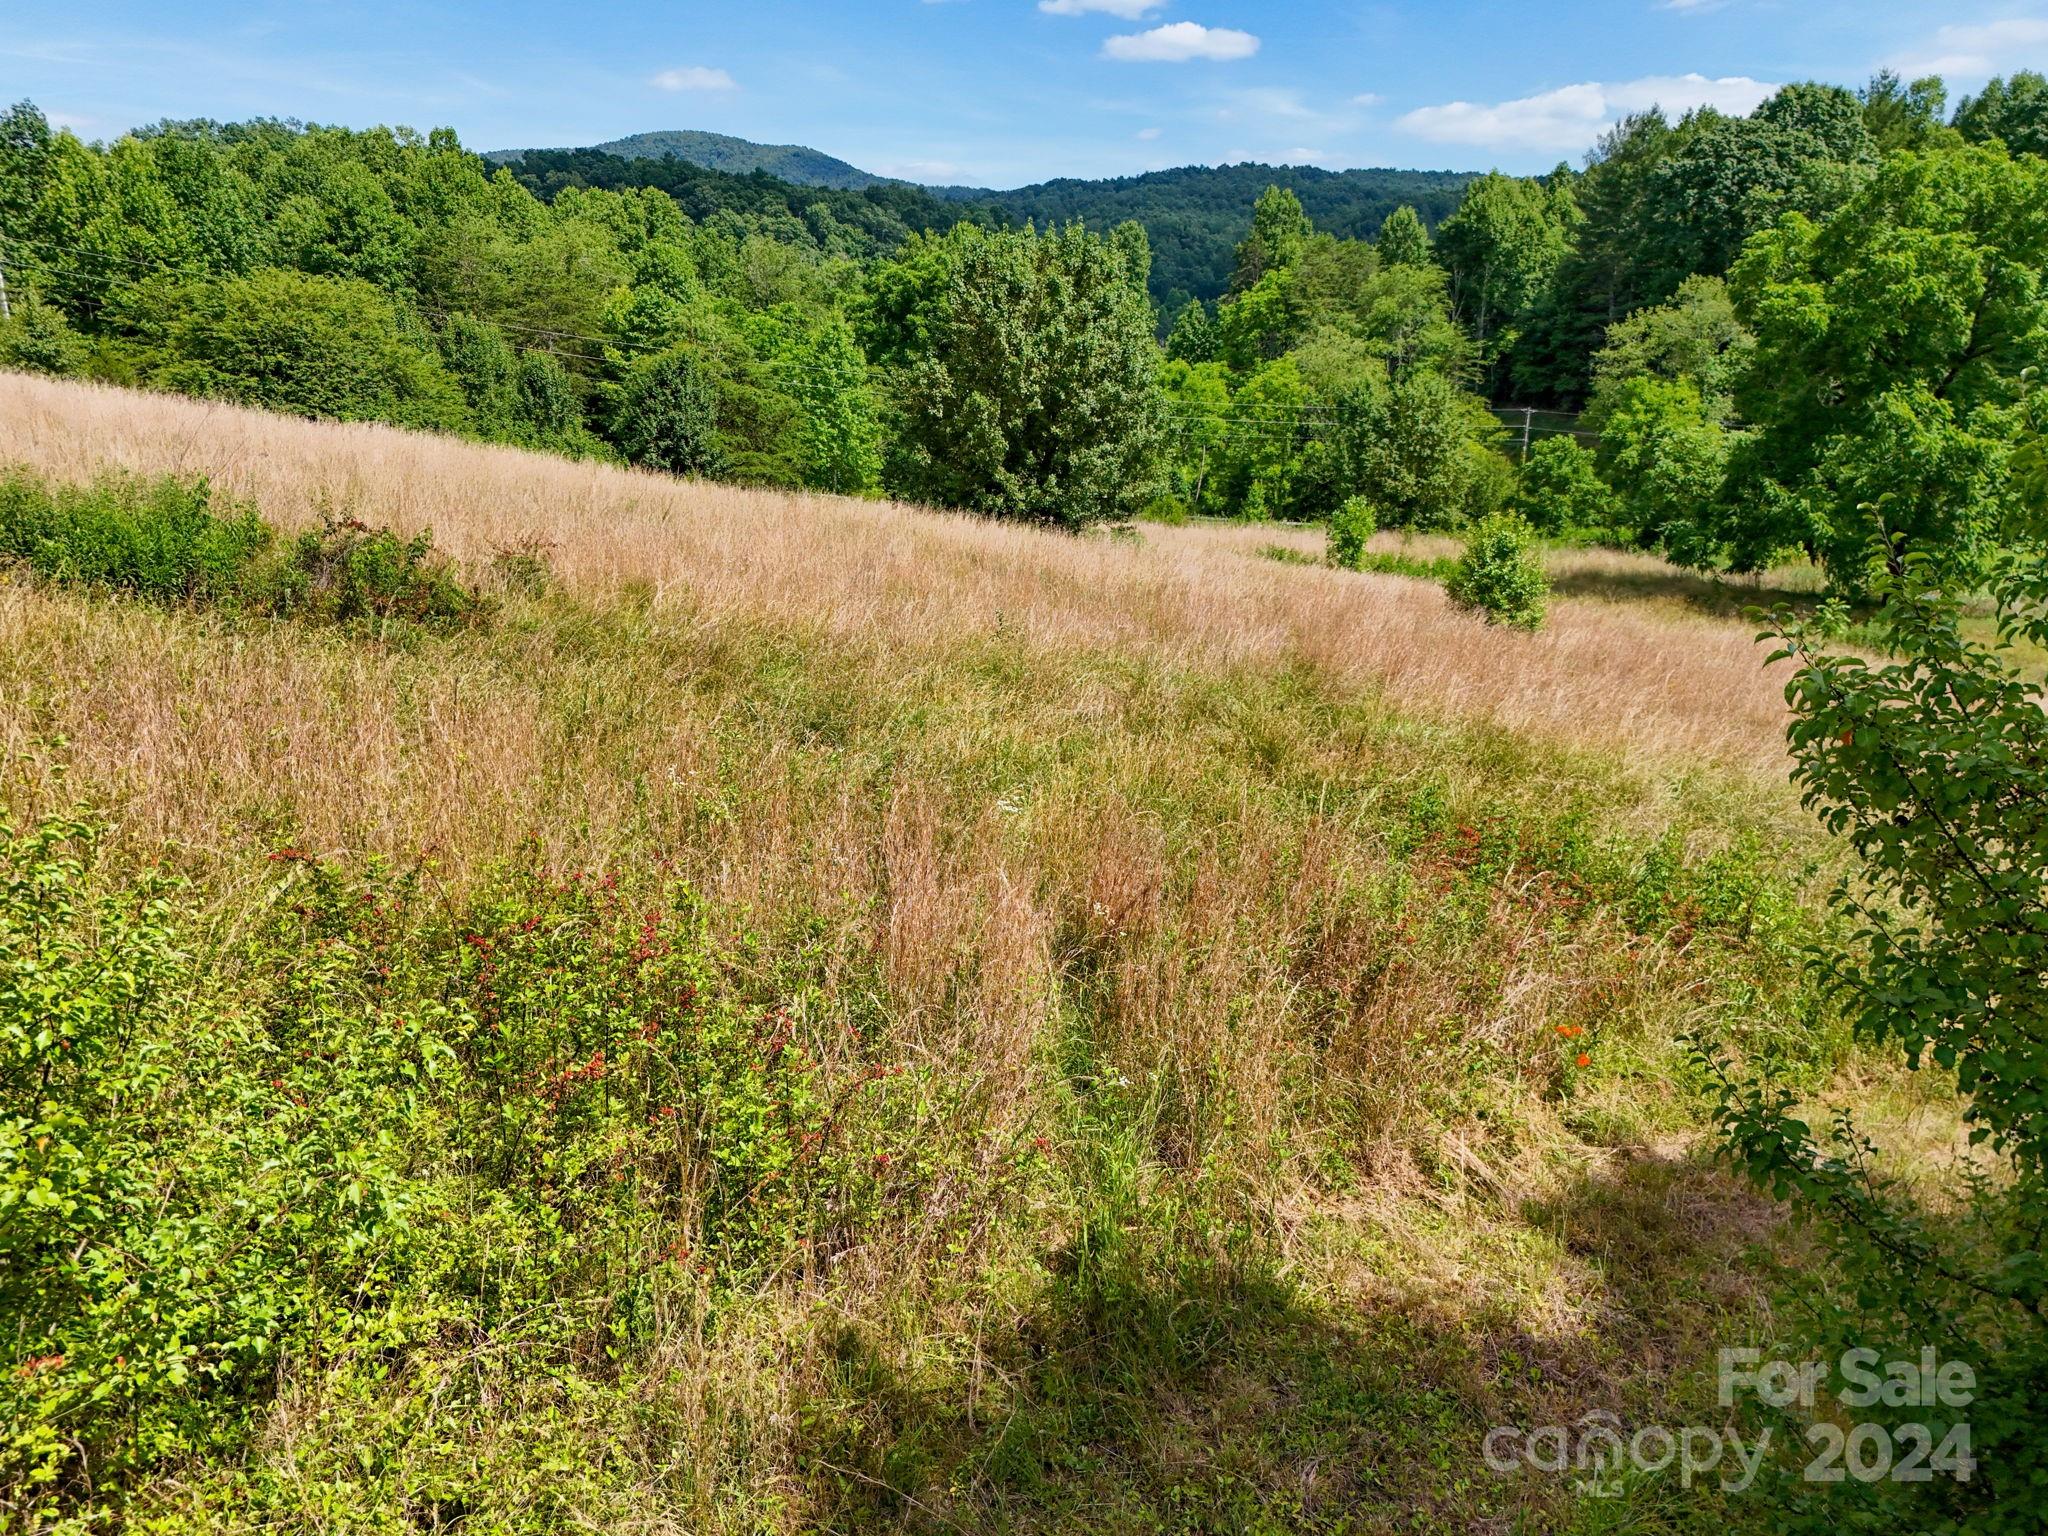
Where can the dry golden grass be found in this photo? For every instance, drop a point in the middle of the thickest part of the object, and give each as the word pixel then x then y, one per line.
pixel 1033 791
pixel 1599 675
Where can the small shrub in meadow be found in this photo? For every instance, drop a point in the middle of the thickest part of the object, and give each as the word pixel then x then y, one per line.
pixel 349 571
pixel 172 540
pixel 1351 529
pixel 1501 576
pixel 160 539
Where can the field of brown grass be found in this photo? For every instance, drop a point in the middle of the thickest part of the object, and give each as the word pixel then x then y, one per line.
pixel 875 573
pixel 1326 885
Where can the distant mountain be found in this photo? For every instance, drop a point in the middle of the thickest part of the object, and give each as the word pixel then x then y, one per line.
pixel 793 163
pixel 1195 215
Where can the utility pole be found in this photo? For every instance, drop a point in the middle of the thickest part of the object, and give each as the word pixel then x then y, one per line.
pixel 5 313
pixel 1528 426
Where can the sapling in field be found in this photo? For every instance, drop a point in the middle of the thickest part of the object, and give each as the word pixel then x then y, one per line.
pixel 1501 575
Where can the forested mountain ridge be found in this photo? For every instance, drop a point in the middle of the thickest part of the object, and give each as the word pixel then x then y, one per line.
pixel 798 164
pixel 1195 214
pixel 870 221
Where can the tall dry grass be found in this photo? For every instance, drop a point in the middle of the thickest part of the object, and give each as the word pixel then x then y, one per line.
pixel 1043 796
pixel 1599 675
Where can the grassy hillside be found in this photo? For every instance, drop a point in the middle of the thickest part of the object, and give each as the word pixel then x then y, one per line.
pixel 821 1016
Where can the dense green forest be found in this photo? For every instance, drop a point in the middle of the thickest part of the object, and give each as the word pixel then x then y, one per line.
pixel 867 222
pixel 1197 215
pixel 1786 330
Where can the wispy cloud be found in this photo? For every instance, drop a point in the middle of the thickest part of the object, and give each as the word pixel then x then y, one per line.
pixel 1128 10
pixel 1179 42
pixel 694 77
pixel 1576 115
pixel 1978 51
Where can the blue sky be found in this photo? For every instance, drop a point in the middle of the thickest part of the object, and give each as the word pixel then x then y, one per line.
pixel 993 92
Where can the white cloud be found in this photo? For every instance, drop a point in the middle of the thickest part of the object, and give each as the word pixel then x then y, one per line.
pixel 1149 134
pixel 1574 116
pixel 1368 99
pixel 1180 41
pixel 1978 52
pixel 1127 10
pixel 695 78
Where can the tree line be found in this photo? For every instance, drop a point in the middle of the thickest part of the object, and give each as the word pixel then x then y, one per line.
pixel 1788 329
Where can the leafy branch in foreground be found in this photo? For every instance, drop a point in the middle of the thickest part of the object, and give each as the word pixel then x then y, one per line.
pixel 1934 766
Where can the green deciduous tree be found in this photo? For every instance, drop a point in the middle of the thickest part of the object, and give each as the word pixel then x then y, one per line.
pixel 839 432
pixel 1279 230
pixel 1890 348
pixel 2012 111
pixel 1405 448
pixel 1561 489
pixel 1038 399
pixel 315 346
pixel 1697 336
pixel 1665 459
pixel 1933 767
pixel 1193 338
pixel 1899 115
pixel 1502 248
pixel 1404 240
pixel 665 415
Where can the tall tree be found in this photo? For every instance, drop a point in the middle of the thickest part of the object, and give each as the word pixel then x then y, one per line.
pixel 1403 240
pixel 1038 399
pixel 2014 112
pixel 1279 230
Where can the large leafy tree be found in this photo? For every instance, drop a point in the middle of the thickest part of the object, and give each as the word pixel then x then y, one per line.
pixel 1891 348
pixel 1038 397
pixel 1697 336
pixel 1502 248
pixel 1900 115
pixel 314 346
pixel 1407 449
pixel 1404 240
pixel 665 415
pixel 2014 112
pixel 1279 230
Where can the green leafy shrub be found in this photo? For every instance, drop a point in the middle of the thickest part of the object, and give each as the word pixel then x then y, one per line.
pixel 1351 529
pixel 1932 767
pixel 666 416
pixel 383 1130
pixel 170 540
pixel 161 539
pixel 39 339
pixel 1501 575
pixel 347 571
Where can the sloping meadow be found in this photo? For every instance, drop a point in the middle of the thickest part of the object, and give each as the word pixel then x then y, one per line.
pixel 808 1015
